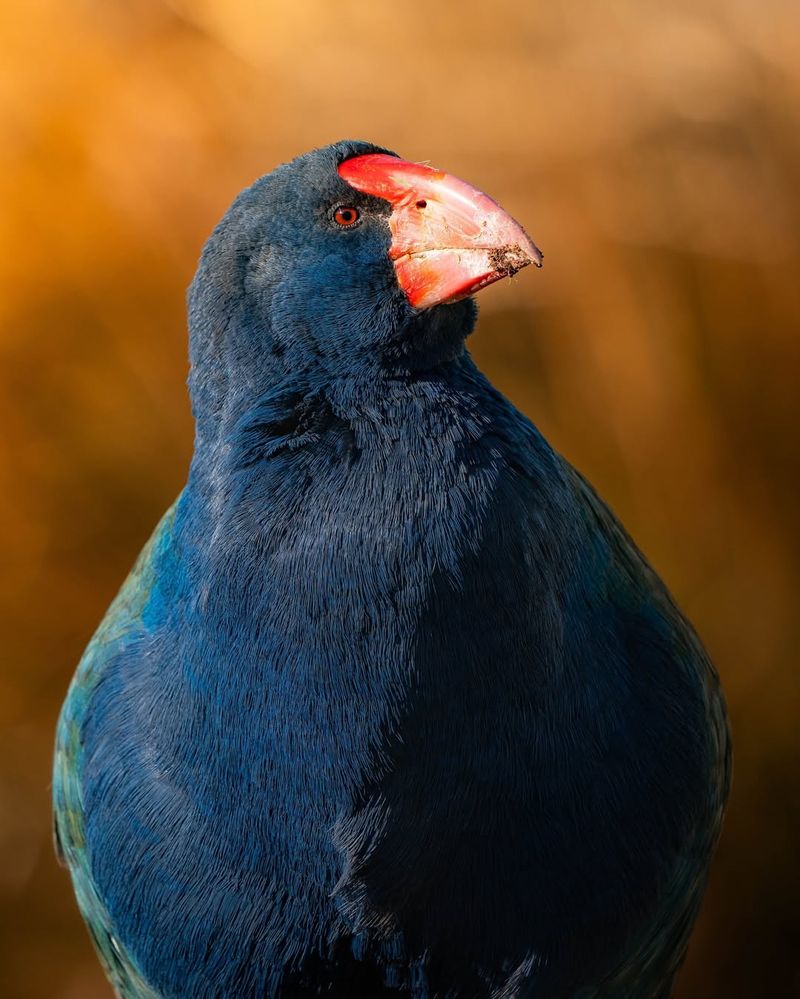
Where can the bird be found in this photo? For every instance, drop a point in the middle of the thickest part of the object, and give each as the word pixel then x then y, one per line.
pixel 390 705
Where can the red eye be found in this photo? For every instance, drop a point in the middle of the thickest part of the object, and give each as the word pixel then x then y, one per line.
pixel 345 216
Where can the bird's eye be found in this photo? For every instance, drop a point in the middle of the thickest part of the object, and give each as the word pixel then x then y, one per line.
pixel 346 216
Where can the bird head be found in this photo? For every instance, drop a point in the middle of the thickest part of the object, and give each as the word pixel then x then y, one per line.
pixel 346 260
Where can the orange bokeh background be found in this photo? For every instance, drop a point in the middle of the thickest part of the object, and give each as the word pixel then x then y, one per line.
pixel 652 149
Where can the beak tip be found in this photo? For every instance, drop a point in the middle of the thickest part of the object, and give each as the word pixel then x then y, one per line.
pixel 535 254
pixel 508 260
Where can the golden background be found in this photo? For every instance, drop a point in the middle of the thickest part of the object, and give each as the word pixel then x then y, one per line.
pixel 651 148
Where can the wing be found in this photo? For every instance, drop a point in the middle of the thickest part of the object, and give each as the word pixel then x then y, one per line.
pixel 121 621
pixel 655 955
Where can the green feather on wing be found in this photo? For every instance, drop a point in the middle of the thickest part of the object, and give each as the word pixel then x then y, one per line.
pixel 122 618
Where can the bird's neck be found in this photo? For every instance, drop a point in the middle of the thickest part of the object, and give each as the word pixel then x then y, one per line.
pixel 393 481
pixel 312 541
pixel 303 423
pixel 241 363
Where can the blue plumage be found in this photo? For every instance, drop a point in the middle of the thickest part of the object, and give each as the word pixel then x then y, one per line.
pixel 391 705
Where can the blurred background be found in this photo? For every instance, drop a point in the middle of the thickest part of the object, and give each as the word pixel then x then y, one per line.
pixel 653 151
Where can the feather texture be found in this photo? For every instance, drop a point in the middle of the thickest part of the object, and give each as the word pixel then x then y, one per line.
pixel 391 704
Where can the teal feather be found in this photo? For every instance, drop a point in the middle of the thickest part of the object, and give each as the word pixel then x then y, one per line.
pixel 121 620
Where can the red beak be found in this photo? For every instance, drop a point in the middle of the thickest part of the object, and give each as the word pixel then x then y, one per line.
pixel 448 239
